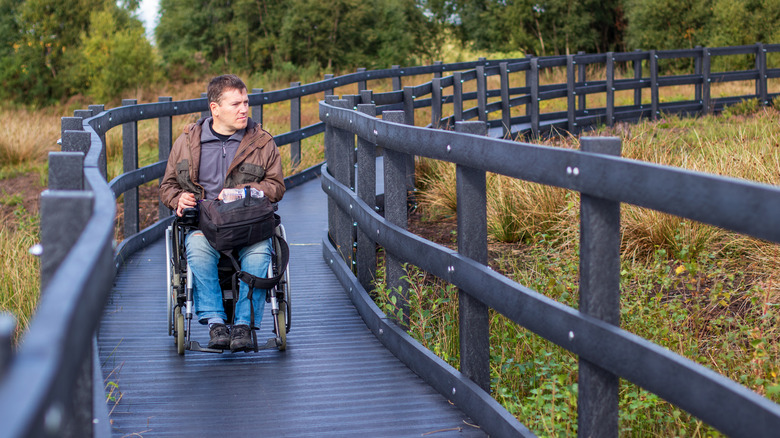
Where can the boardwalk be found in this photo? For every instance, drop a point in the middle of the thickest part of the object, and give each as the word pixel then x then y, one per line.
pixel 335 379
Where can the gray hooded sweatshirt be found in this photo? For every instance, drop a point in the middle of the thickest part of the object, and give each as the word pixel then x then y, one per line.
pixel 215 158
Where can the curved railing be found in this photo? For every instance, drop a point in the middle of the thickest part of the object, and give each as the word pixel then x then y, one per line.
pixel 51 384
pixel 357 224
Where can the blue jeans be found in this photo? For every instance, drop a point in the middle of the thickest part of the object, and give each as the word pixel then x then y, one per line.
pixel 202 259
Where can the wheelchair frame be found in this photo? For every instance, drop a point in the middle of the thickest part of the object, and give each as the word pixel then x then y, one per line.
pixel 179 293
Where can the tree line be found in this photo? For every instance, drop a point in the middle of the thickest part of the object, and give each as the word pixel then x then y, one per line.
pixel 53 49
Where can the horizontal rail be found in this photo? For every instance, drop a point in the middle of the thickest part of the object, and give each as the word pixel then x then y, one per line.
pixel 738 205
pixel 715 399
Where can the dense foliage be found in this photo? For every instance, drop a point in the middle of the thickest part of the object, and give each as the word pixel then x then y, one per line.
pixel 51 50
pixel 251 35
pixel 549 27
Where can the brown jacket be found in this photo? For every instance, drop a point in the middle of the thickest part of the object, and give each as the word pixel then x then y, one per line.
pixel 257 163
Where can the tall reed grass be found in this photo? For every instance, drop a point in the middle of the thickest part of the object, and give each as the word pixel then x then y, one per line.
pixel 27 135
pixel 19 281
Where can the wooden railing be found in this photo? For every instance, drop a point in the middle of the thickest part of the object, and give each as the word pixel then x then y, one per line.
pixel 51 384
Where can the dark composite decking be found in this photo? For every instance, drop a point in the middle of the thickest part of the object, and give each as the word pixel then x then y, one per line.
pixel 335 379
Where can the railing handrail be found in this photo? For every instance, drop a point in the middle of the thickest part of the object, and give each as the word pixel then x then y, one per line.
pixel 738 205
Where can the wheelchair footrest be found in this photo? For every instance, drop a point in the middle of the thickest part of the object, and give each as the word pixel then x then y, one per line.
pixel 195 346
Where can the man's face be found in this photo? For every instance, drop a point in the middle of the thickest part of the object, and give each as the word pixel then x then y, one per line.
pixel 230 114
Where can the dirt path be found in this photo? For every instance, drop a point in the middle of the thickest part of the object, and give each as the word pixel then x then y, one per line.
pixel 17 193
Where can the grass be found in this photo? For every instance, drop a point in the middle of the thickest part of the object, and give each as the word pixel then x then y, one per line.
pixel 19 272
pixel 702 292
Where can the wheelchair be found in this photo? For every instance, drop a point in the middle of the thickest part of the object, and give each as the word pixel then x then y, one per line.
pixel 179 293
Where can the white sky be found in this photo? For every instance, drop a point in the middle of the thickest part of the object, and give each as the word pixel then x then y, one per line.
pixel 148 13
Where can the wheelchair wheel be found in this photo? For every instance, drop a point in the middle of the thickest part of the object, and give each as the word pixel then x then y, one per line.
pixel 284 284
pixel 179 338
pixel 282 335
pixel 169 275
pixel 171 302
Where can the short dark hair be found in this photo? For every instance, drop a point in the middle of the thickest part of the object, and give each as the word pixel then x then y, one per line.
pixel 218 85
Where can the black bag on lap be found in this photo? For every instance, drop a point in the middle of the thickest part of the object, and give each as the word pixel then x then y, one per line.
pixel 233 225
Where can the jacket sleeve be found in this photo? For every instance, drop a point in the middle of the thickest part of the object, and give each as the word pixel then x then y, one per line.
pixel 170 190
pixel 272 183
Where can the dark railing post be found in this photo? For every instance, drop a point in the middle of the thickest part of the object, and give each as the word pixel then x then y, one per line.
pixel 472 243
pixel 571 94
pixel 457 96
pixel 70 124
pixel 339 156
pixel 164 145
pixel 102 158
pixel 85 142
pixel 330 160
pixel 295 124
pixel 329 91
pixel 533 105
pixel 7 329
pixel 76 141
pixel 64 214
pixel 706 82
pixel 207 112
pixel 506 114
pixel 366 191
pixel 437 73
pixel 366 97
pixel 482 93
pixel 610 89
pixel 697 72
pixel 654 99
pixel 409 120
pixel 395 168
pixel 582 79
pixel 599 297
pixel 409 105
pixel 257 110
pixel 352 102
pixel 361 85
pixel 66 170
pixel 638 78
pixel 761 81
pixel 130 163
pixel 397 79
pixel 436 103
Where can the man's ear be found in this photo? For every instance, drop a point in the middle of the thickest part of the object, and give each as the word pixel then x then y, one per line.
pixel 213 106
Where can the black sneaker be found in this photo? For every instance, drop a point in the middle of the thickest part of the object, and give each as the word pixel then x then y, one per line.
pixel 241 338
pixel 219 337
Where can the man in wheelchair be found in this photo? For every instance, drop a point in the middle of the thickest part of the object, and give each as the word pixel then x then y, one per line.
pixel 226 150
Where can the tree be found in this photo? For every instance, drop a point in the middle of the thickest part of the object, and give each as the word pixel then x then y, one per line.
pixel 42 42
pixel 540 27
pixel 251 35
pixel 115 55
pixel 348 33
pixel 667 24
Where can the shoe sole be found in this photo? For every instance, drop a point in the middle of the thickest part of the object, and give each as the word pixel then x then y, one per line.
pixel 248 347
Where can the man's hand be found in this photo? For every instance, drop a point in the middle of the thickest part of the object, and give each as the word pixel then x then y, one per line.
pixel 186 200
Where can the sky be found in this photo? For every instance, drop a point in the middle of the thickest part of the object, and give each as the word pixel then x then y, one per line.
pixel 148 13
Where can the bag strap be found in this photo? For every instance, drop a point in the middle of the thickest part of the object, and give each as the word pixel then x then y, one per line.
pixel 255 282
